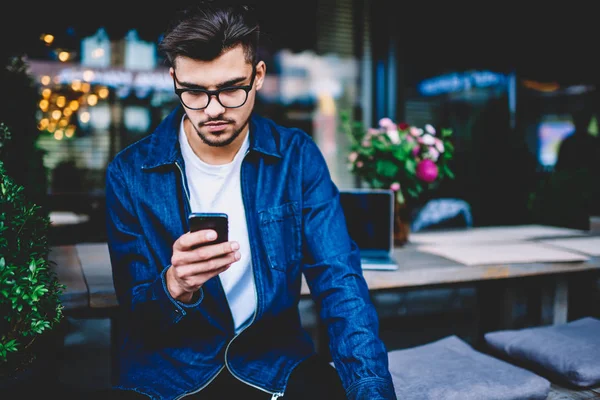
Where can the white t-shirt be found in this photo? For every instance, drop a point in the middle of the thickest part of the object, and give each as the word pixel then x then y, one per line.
pixel 217 188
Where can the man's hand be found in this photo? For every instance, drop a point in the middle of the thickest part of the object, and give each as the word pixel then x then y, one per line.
pixel 191 266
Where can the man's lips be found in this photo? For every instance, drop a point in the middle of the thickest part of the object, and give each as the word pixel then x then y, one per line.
pixel 215 126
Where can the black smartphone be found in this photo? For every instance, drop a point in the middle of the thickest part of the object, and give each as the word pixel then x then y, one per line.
pixel 218 222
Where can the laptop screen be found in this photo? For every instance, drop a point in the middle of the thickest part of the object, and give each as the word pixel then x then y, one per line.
pixel 369 215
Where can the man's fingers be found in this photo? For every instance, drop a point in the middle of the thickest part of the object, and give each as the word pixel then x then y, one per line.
pixel 204 253
pixel 209 257
pixel 211 267
pixel 192 239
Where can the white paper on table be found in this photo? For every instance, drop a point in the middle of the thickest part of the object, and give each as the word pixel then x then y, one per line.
pixel 586 245
pixel 493 234
pixel 502 253
pixel 67 218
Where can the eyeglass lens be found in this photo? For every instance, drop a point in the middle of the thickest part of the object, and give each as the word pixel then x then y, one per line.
pixel 233 97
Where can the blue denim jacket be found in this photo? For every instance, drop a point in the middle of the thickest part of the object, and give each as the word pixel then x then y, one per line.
pixel 168 349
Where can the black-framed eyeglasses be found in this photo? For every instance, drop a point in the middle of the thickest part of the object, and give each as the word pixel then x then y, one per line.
pixel 228 97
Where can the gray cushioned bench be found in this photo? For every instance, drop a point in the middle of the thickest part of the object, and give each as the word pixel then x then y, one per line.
pixel 450 369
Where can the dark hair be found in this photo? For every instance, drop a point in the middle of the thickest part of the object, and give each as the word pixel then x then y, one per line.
pixel 207 29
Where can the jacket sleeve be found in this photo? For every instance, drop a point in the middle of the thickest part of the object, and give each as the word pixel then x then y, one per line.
pixel 139 281
pixel 334 275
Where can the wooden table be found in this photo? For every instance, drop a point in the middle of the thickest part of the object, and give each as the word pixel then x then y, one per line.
pixel 85 270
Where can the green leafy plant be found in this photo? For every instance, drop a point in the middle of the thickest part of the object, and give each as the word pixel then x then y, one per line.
pixel 30 305
pixel 401 157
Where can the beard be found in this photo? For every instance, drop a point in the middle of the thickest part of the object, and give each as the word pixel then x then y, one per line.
pixel 215 142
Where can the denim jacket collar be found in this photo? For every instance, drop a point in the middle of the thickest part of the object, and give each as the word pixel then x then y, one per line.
pixel 165 149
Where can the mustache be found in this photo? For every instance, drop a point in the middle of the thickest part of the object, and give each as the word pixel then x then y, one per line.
pixel 217 120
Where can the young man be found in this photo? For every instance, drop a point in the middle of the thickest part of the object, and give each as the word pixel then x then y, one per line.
pixel 222 320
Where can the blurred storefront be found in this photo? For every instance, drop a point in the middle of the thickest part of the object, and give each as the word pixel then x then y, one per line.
pixel 351 56
pixel 111 91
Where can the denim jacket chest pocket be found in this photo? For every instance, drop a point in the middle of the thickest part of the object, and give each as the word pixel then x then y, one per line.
pixel 280 229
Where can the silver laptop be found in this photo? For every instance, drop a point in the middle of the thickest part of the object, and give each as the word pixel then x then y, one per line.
pixel 369 217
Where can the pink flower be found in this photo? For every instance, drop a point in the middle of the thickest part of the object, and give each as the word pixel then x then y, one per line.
pixel 352 156
pixel 430 129
pixel 415 131
pixel 434 154
pixel 416 150
pixel 393 135
pixel 395 186
pixel 427 171
pixel 427 139
pixel 387 123
pixel 359 164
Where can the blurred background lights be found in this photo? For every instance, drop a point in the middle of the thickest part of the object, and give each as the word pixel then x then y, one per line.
pixel 61 101
pixel 98 53
pixel 43 124
pixel 70 131
pixel 48 39
pixel 84 117
pixel 63 56
pixel 88 75
pixel 44 105
pixel 103 92
pixel 92 100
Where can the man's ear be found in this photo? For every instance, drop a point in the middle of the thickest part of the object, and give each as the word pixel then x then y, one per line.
pixel 261 71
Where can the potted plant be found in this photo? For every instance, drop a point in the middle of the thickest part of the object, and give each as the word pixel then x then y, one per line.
pixel 30 305
pixel 406 159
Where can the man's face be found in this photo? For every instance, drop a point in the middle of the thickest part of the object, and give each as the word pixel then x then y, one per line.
pixel 216 125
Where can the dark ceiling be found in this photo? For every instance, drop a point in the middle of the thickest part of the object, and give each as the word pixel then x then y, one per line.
pixel 546 44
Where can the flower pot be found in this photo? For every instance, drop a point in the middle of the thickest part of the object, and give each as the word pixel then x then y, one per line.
pixel 401 224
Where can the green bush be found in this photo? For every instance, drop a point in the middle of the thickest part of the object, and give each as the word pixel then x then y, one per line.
pixel 30 305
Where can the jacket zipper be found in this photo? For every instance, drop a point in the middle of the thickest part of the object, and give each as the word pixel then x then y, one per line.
pixel 184 184
pixel 276 395
pixel 202 387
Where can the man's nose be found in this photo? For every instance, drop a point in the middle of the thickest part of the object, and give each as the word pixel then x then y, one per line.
pixel 214 108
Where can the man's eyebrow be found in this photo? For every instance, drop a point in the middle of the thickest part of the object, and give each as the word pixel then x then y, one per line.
pixel 229 82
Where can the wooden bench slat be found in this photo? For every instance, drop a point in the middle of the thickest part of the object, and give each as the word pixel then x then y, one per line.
pixel 69 272
pixel 95 262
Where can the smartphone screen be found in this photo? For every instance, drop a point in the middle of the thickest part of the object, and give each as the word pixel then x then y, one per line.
pixel 216 221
